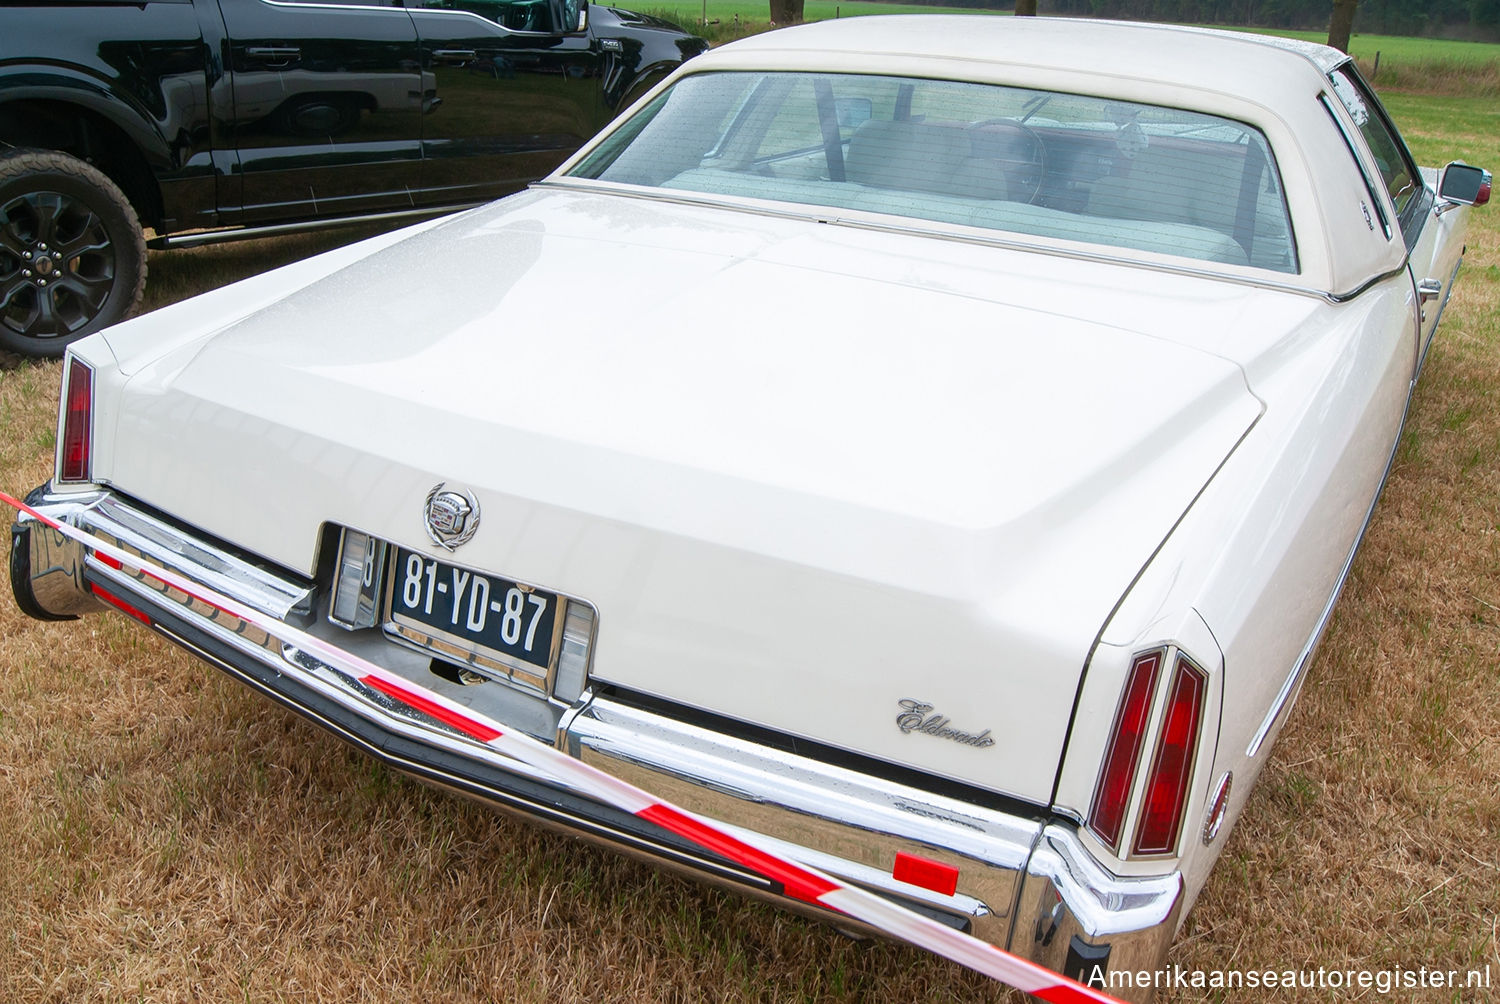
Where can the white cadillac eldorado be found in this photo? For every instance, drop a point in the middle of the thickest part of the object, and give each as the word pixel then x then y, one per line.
pixel 935 444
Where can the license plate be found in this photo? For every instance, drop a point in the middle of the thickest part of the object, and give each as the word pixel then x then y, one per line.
pixel 476 619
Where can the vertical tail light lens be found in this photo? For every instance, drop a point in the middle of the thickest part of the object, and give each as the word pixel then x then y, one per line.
pixel 75 458
pixel 1112 795
pixel 1172 769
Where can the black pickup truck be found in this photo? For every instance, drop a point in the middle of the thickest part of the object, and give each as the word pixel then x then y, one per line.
pixel 208 120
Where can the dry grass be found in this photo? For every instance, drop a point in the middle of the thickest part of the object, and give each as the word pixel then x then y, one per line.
pixel 172 837
pixel 1478 77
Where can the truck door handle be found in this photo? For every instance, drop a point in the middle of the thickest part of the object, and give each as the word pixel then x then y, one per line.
pixel 272 53
pixel 454 55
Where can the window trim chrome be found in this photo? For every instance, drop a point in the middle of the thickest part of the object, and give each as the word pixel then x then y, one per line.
pixel 1376 193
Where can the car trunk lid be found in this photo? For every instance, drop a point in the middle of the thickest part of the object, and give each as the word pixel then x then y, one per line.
pixel 811 499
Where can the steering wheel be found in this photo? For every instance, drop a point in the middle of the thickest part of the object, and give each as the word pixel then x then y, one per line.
pixel 1017 148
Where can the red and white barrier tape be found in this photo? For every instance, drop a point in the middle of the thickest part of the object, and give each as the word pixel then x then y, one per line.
pixel 797 880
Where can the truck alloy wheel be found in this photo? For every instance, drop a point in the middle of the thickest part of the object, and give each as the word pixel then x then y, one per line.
pixel 72 255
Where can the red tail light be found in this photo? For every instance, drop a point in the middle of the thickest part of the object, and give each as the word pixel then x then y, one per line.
pixel 77 424
pixel 1484 191
pixel 1172 769
pixel 1107 814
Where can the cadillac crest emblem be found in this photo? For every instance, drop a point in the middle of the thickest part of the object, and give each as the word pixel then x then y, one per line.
pixel 451 517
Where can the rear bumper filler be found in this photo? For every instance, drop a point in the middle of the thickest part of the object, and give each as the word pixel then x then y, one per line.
pixel 1025 883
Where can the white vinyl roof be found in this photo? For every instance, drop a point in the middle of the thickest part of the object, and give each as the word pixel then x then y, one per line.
pixel 1167 53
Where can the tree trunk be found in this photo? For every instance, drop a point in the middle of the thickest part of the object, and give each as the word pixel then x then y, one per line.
pixel 1341 25
pixel 784 12
pixel 1025 8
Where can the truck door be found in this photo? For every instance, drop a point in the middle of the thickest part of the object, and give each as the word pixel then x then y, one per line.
pixel 326 104
pixel 517 85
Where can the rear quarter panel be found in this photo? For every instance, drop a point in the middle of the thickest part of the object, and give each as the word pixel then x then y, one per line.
pixel 1266 544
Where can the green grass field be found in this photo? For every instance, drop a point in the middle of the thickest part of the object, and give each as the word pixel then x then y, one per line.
pixel 1401 48
pixel 1439 129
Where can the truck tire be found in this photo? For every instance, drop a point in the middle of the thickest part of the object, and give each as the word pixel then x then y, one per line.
pixel 72 255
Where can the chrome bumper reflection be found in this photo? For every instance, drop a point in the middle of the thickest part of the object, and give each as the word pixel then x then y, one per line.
pixel 57 565
pixel 1024 883
pixel 855 823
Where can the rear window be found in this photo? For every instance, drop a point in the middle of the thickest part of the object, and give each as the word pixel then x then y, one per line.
pixel 1020 161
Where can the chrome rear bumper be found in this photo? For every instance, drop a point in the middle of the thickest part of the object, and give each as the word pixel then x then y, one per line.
pixel 1025 881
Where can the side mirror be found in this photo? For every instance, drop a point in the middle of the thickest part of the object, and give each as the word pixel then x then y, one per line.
pixel 568 16
pixel 1464 184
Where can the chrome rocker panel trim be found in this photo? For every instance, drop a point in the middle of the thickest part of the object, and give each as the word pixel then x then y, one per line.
pixel 1024 883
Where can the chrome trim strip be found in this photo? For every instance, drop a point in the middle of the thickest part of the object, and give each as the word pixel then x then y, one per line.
pixel 867 820
pixel 550 814
pixel 1371 187
pixel 450 12
pixel 1368 284
pixel 1218 804
pixel 203 237
pixel 299 5
pixel 1293 682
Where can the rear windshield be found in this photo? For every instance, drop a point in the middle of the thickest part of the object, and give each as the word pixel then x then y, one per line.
pixel 1021 161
